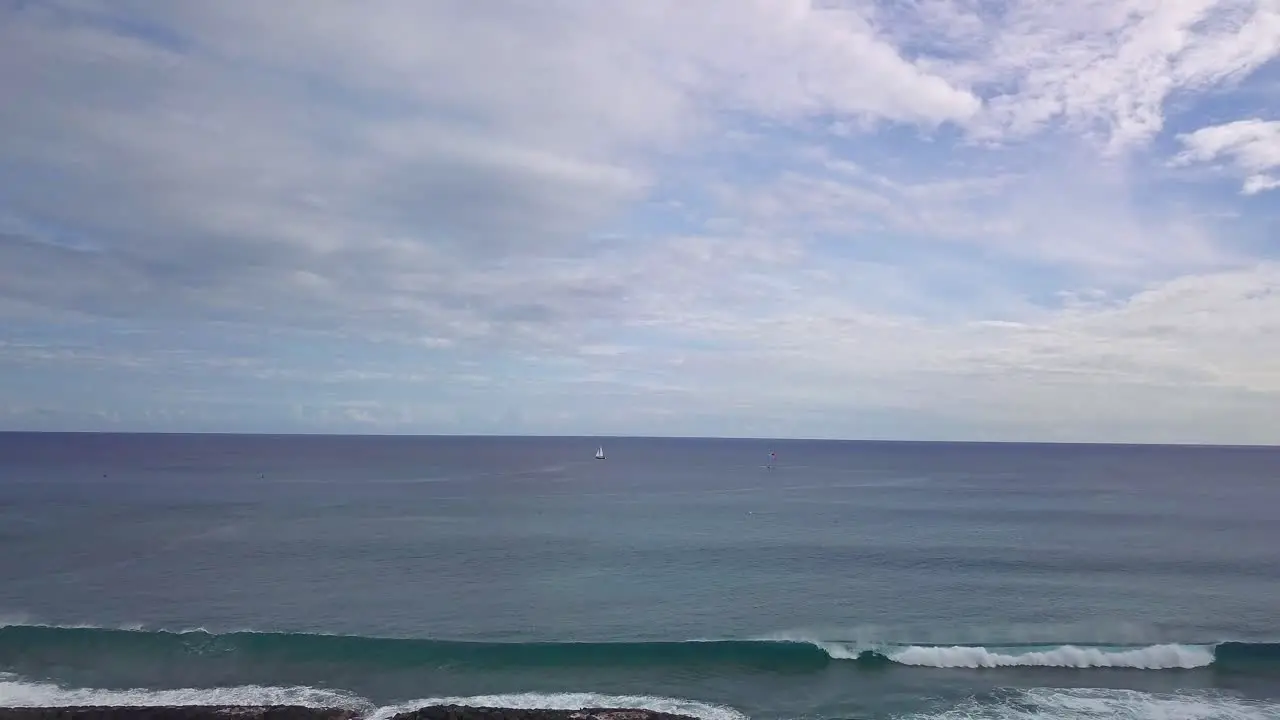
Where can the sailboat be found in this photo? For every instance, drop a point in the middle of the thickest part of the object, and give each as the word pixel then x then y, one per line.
pixel 600 453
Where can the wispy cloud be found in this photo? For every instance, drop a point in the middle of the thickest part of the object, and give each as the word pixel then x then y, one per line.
pixel 937 218
pixel 1251 146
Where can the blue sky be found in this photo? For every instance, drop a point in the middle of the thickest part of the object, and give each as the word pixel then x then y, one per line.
pixel 942 219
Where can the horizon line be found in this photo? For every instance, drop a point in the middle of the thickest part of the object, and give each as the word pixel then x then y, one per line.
pixel 753 438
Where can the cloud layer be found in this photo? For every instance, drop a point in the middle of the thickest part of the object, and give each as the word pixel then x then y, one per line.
pixel 945 218
pixel 1251 147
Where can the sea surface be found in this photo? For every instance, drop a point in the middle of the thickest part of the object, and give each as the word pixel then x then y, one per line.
pixel 851 580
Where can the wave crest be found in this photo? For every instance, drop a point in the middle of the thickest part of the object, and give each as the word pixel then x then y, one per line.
pixel 88 646
pixel 1155 657
pixel 572 701
pixel 1096 703
pixel 20 692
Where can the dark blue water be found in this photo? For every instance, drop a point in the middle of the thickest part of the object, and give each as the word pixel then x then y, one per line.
pixel 851 580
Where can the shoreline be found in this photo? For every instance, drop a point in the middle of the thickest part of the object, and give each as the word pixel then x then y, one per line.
pixel 299 712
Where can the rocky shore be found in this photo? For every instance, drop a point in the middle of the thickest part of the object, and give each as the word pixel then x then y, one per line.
pixel 459 712
pixel 294 712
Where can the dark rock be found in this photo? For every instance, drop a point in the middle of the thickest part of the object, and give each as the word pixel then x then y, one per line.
pixel 178 712
pixel 457 712
pixel 294 712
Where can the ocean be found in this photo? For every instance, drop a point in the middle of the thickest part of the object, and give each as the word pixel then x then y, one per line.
pixel 927 581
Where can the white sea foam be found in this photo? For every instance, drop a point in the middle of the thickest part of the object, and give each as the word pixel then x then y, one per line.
pixel 1091 632
pixel 1154 657
pixel 1096 704
pixel 838 650
pixel 20 692
pixel 572 701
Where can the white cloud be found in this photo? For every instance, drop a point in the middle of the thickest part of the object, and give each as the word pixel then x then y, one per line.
pixel 1077 216
pixel 1100 70
pixel 1255 184
pixel 310 154
pixel 1185 360
pixel 1103 66
pixel 1251 146
pixel 755 212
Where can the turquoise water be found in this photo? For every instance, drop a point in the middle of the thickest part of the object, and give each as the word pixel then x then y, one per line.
pixel 852 580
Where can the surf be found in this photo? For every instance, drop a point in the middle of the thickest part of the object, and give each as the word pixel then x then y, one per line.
pixel 92 644
pixel 1013 704
pixel 16 691
pixel 1097 703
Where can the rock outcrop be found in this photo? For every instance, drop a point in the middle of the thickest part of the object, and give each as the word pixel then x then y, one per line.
pixel 294 712
pixel 177 712
pixel 461 712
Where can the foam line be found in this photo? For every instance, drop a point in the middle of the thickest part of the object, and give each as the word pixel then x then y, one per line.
pixel 1155 657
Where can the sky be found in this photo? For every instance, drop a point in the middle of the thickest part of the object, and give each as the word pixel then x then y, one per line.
pixel 1013 220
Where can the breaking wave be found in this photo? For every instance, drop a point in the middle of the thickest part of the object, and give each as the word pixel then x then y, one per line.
pixel 20 692
pixel 1019 704
pixel 91 644
pixel 1154 657
pixel 1098 703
